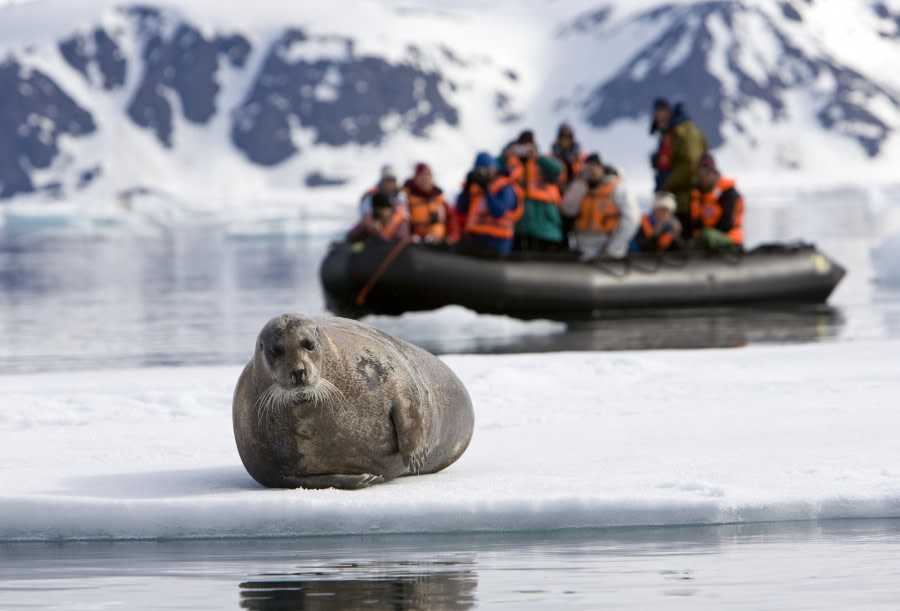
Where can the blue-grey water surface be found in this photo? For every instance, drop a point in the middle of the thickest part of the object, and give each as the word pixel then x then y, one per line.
pixel 198 294
pixel 851 564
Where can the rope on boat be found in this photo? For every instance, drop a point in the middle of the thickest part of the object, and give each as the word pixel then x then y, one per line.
pixel 373 280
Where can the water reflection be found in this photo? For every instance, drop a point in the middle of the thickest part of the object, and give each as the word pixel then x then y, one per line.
pixel 846 564
pixel 684 328
pixel 373 585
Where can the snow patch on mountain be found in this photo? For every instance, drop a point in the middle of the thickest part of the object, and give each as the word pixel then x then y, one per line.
pixel 226 106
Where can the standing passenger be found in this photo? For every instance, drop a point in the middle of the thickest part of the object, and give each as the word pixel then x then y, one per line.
pixel 490 204
pixel 606 212
pixel 681 144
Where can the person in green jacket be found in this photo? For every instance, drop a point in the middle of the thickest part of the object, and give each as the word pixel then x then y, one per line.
pixel 541 227
pixel 681 145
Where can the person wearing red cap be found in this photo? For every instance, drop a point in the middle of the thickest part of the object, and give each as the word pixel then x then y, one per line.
pixel 429 214
pixel 717 210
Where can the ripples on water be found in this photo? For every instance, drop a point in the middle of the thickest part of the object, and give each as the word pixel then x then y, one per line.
pixel 826 565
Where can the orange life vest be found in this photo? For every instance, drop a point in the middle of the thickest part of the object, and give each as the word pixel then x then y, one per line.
pixel 664 239
pixel 427 215
pixel 480 220
pixel 598 212
pixel 398 217
pixel 523 174
pixel 396 220
pixel 706 208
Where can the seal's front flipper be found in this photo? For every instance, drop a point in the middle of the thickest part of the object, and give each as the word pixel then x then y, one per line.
pixel 344 482
pixel 410 437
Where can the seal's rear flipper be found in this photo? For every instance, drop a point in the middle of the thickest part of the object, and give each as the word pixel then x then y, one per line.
pixel 344 482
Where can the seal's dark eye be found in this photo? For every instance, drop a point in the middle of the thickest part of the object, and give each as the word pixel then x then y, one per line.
pixel 276 350
pixel 307 344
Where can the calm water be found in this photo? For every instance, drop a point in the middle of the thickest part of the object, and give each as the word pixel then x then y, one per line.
pixel 199 294
pixel 851 564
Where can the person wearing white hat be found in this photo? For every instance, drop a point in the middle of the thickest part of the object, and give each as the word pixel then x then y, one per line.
pixel 660 229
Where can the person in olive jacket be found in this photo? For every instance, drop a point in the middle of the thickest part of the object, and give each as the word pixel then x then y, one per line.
pixel 681 145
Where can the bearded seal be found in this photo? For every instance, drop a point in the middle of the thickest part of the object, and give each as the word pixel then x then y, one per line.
pixel 334 403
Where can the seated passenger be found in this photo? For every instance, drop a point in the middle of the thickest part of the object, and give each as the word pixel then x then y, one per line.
pixel 490 205
pixel 717 210
pixel 660 230
pixel 520 159
pixel 387 185
pixel 429 214
pixel 541 229
pixel 606 213
pixel 567 151
pixel 386 222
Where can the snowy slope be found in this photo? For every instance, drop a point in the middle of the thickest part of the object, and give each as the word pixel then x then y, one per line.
pixel 230 106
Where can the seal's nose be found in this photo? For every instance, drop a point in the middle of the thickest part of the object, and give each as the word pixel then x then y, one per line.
pixel 299 375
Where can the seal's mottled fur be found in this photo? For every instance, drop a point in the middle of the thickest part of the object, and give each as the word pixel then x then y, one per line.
pixel 331 402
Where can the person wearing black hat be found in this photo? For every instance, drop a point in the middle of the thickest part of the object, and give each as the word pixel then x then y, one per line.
pixel 717 210
pixel 681 144
pixel 604 209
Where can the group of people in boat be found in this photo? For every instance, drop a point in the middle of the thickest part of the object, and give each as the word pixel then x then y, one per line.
pixel 565 199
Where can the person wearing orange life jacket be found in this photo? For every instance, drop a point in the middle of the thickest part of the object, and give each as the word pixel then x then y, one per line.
pixel 388 222
pixel 540 229
pixel 605 210
pixel 491 204
pixel 660 230
pixel 387 185
pixel 429 214
pixel 717 210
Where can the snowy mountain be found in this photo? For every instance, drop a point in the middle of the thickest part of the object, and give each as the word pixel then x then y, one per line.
pixel 225 105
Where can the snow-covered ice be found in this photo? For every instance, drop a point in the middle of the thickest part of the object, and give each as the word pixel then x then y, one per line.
pixel 562 440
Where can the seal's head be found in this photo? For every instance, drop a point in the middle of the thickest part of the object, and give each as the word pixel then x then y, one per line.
pixel 289 347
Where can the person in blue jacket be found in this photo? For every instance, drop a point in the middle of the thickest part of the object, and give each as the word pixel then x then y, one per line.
pixel 488 206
